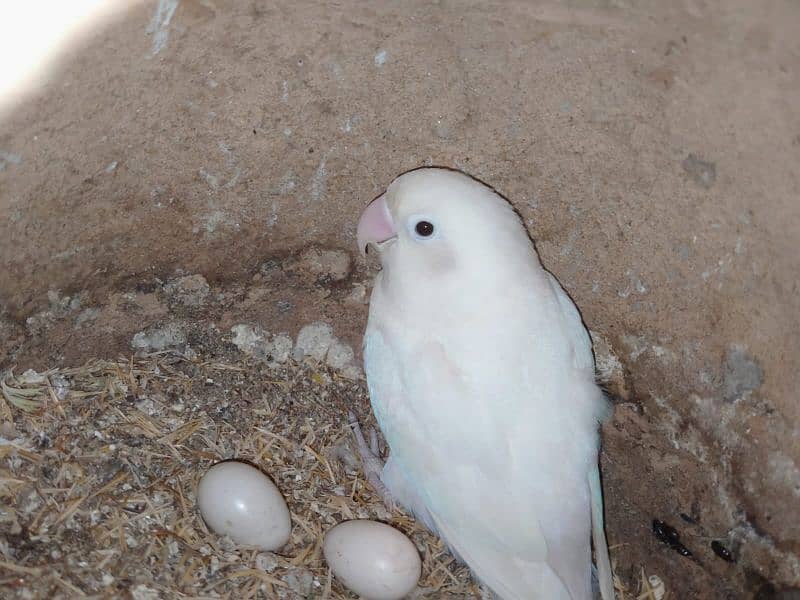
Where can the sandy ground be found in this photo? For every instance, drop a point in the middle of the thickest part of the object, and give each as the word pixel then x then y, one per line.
pixel 651 147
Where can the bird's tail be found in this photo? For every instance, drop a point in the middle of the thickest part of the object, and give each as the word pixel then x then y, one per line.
pixel 605 577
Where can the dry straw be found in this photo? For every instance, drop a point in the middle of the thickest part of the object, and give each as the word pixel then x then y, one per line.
pixel 100 464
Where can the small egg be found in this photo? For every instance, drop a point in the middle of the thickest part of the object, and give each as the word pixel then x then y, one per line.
pixel 241 502
pixel 373 560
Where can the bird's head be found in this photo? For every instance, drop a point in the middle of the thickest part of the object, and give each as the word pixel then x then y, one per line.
pixel 433 223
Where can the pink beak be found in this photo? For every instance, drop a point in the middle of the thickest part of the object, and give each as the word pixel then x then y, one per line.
pixel 375 225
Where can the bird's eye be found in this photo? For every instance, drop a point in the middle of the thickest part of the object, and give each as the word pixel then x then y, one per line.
pixel 424 228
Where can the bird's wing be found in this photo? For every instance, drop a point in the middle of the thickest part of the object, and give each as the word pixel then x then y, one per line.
pixel 605 575
pixel 508 576
pixel 584 360
pixel 522 524
pixel 406 494
pixel 576 331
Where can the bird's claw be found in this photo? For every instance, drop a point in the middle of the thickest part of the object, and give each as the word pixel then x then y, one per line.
pixel 371 461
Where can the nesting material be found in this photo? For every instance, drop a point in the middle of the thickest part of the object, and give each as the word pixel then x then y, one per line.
pixel 99 466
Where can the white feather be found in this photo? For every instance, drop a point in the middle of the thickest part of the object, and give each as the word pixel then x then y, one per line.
pixel 481 377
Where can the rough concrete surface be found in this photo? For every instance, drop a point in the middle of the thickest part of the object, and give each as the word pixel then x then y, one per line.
pixel 651 147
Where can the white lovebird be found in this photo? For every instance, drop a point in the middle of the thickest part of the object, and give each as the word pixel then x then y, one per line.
pixel 481 377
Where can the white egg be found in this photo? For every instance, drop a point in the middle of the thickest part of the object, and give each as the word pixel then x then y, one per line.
pixel 238 500
pixel 373 560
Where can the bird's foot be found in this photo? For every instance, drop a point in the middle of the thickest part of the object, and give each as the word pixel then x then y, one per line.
pixel 371 462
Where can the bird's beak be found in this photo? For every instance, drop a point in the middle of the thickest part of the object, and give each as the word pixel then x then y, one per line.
pixel 375 227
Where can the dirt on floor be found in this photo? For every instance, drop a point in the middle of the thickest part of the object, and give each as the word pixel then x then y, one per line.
pixel 187 182
pixel 102 463
pixel 110 508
